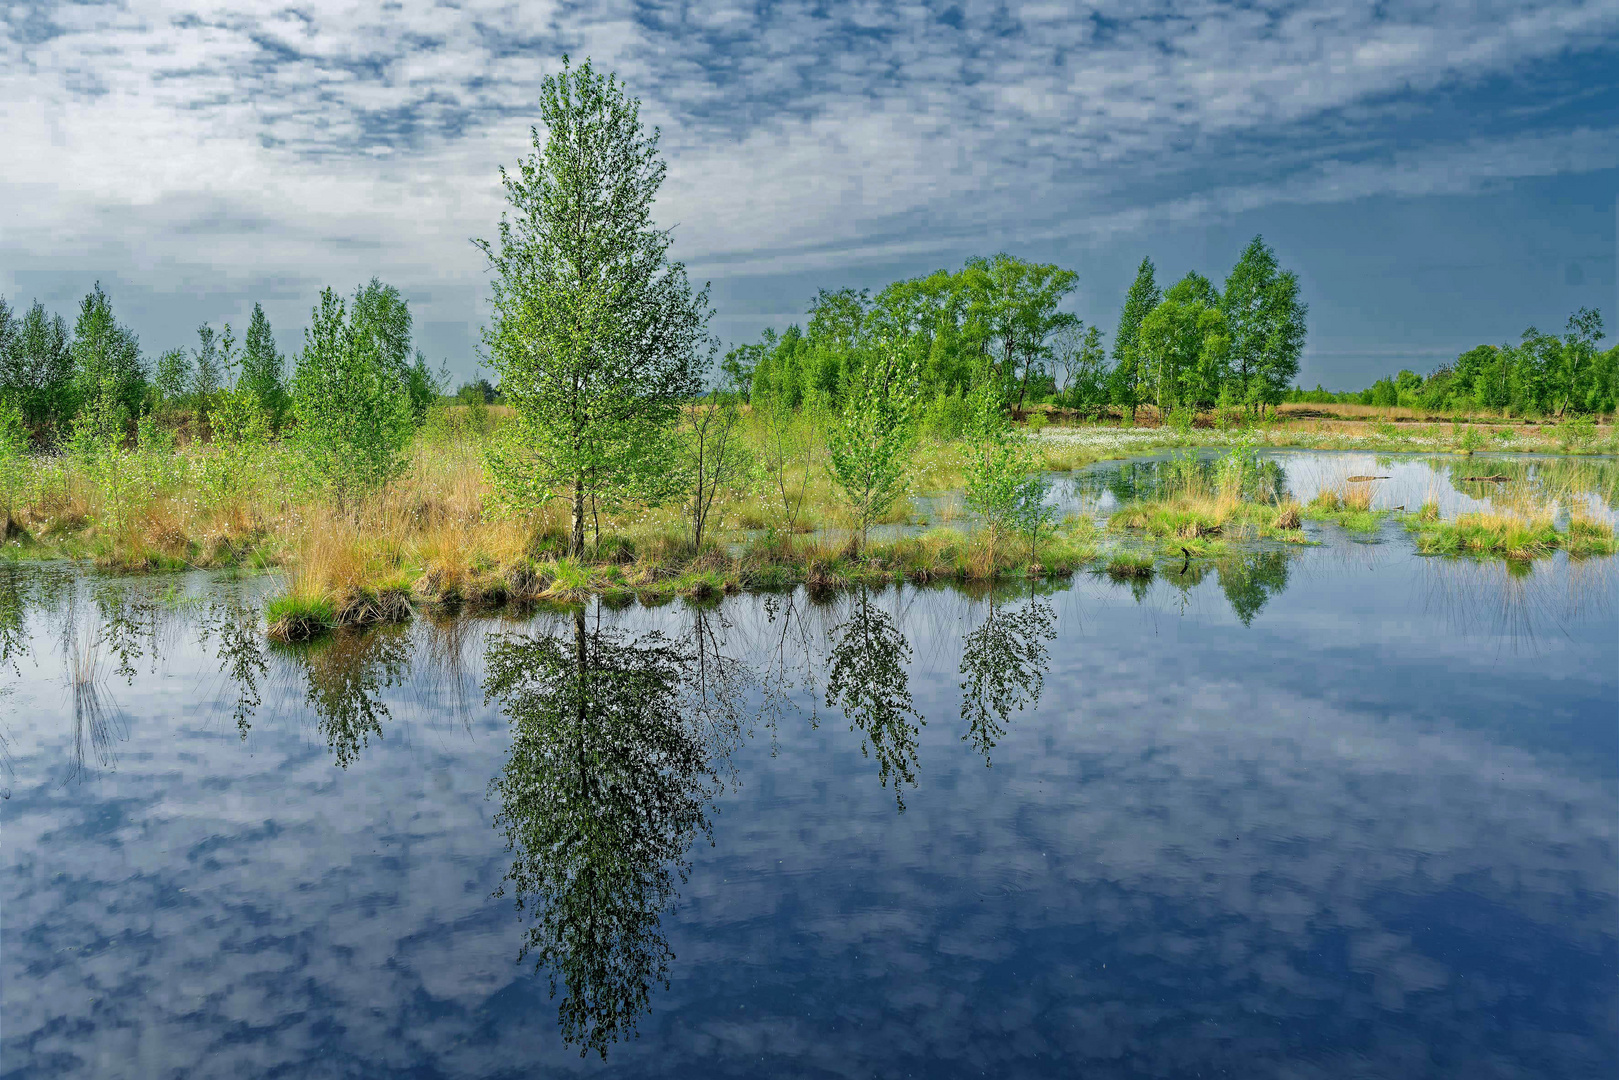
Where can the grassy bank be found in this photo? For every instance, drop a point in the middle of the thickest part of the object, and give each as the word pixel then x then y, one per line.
pixel 432 537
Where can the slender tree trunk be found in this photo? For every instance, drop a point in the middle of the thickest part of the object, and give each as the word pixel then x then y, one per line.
pixel 578 546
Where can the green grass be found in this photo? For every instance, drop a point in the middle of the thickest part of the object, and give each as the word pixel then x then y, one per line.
pixel 294 618
pixel 1126 566
pixel 1508 536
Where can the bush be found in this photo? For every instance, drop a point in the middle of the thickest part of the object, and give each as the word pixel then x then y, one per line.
pixel 351 406
pixel 947 417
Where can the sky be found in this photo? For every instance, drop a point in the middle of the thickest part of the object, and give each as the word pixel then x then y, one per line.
pixel 1437 175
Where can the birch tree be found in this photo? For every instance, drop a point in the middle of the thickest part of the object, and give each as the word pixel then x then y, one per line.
pixel 596 333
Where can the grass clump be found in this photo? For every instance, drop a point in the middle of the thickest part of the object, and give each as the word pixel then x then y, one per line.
pixel 1128 566
pixel 299 618
pixel 1349 507
pixel 1586 538
pixel 1504 535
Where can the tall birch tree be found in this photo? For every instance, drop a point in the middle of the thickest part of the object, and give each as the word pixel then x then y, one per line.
pixel 597 335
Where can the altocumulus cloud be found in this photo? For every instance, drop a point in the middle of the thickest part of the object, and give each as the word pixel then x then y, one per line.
pixel 261 150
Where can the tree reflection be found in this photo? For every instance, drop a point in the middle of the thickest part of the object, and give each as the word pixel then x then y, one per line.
pixel 1003 666
pixel 1247 578
pixel 346 674
pixel 234 625
pixel 13 610
pixel 867 680
pixel 609 779
pixel 1249 581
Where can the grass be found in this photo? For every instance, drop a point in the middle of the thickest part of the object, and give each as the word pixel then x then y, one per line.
pixel 299 618
pixel 1128 566
pixel 1509 536
pixel 433 539
pixel 1348 505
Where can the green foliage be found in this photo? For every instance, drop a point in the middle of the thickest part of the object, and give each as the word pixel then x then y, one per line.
pixel 36 365
pixel 1265 322
pixel 1005 485
pixel 263 369
pixel 353 416
pixel 1183 346
pixel 480 392
pixel 1143 297
pixel 173 378
pixel 606 786
pixel 1577 432
pixel 1017 302
pixel 16 469
pixel 947 416
pixel 155 447
pixel 423 386
pixel 1543 375
pixel 97 443
pixel 241 436
pixel 1003 666
pixel 872 433
pixel 106 356
pixel 596 334
pixel 713 459
pixel 213 360
pixel 1080 362
pixel 784 464
pixel 868 683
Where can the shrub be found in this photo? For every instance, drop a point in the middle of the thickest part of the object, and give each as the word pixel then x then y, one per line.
pixel 353 414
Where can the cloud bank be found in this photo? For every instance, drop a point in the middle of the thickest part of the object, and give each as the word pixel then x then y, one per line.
pixel 262 150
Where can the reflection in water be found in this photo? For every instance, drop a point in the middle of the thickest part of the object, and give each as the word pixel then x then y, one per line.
pixel 1250 579
pixel 13 608
pixel 868 681
pixel 1372 841
pixel 237 628
pixel 1003 665
pixel 1151 478
pixel 98 724
pixel 1560 481
pixel 1514 603
pixel 608 782
pixel 347 672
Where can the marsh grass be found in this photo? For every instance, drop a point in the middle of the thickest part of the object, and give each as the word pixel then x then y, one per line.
pixel 1126 566
pixel 431 539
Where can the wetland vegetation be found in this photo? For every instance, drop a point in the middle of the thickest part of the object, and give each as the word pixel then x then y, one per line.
pixel 915 435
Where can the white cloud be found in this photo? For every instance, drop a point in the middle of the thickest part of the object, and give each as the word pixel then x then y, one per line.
pixel 797 139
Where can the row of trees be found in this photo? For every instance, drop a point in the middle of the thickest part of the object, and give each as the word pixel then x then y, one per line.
pixel 355 391
pixel 1192 345
pixel 1544 374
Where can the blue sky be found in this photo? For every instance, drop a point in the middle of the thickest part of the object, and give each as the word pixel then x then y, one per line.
pixel 1438 175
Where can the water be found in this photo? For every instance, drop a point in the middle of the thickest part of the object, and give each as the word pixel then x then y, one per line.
pixel 1330 811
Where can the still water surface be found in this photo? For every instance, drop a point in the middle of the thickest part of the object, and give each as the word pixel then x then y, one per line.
pixel 1332 811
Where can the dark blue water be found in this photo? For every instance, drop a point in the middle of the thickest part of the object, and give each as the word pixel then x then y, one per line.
pixel 1338 811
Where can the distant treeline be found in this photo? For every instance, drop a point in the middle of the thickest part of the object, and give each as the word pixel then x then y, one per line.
pixel 1192 346
pixel 1543 375
pixel 51 373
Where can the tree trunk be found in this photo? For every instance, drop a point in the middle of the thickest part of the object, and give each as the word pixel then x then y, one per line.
pixel 578 546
